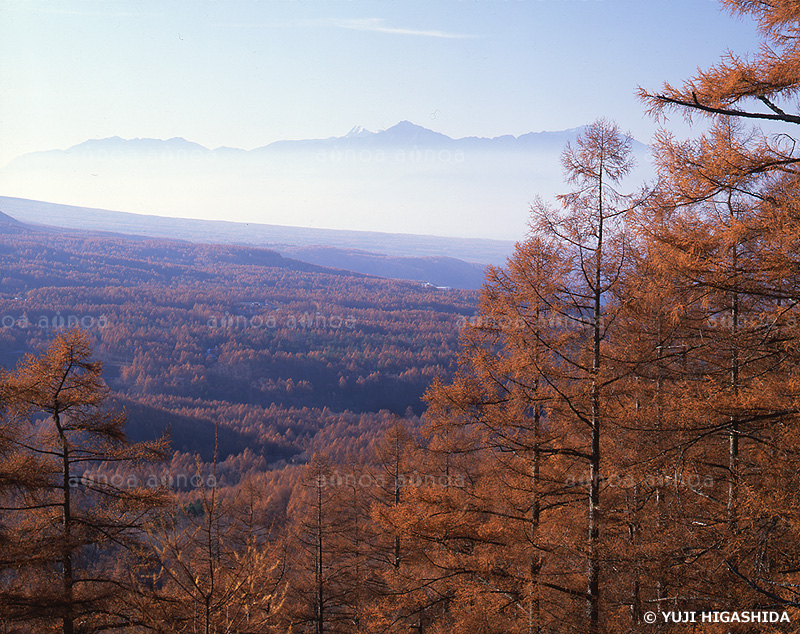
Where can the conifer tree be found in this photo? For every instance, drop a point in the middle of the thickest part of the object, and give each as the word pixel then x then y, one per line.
pixel 211 566
pixel 718 251
pixel 325 557
pixel 724 231
pixel 529 420
pixel 591 228
pixel 754 87
pixel 62 579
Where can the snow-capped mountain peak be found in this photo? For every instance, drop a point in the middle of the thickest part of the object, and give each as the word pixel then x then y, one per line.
pixel 358 131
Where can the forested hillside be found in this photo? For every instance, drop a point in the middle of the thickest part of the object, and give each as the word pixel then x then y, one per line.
pixel 264 347
pixel 610 429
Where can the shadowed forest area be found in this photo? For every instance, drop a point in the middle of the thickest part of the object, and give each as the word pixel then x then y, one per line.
pixel 604 438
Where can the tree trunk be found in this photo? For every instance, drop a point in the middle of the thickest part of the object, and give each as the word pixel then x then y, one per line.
pixel 733 436
pixel 593 575
pixel 320 616
pixel 67 575
pixel 534 616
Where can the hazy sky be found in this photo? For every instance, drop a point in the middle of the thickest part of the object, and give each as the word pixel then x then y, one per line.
pixel 246 73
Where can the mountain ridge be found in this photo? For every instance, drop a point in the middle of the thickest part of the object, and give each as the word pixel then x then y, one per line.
pixel 403 133
pixel 453 262
pixel 405 179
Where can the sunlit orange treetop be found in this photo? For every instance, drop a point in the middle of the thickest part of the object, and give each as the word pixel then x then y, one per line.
pixel 769 77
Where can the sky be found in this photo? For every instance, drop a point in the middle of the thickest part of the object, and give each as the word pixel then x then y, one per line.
pixel 249 72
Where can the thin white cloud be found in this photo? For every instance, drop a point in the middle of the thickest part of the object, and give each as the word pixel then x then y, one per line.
pixel 376 25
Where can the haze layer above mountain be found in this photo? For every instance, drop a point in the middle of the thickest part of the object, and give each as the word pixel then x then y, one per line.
pixel 406 179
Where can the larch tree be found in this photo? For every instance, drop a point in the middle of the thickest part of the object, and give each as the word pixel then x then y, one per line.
pixel 211 566
pixel 393 456
pixel 647 407
pixel 755 87
pixel 22 551
pixel 57 405
pixel 591 227
pixel 529 420
pixel 496 525
pixel 324 551
pixel 718 233
pixel 725 226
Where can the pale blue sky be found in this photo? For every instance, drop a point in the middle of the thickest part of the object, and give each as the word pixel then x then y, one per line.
pixel 246 73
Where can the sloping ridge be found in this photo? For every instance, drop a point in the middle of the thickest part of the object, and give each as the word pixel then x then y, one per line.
pixel 11 225
pixel 8 220
pixel 478 250
pixel 154 257
pixel 436 270
pixel 453 262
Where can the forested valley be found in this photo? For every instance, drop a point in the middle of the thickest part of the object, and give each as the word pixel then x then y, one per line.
pixel 605 438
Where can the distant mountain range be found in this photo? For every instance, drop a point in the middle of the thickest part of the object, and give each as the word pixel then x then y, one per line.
pixel 405 179
pixel 404 135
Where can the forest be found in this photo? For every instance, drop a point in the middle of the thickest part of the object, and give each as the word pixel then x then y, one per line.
pixel 218 439
pixel 266 347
